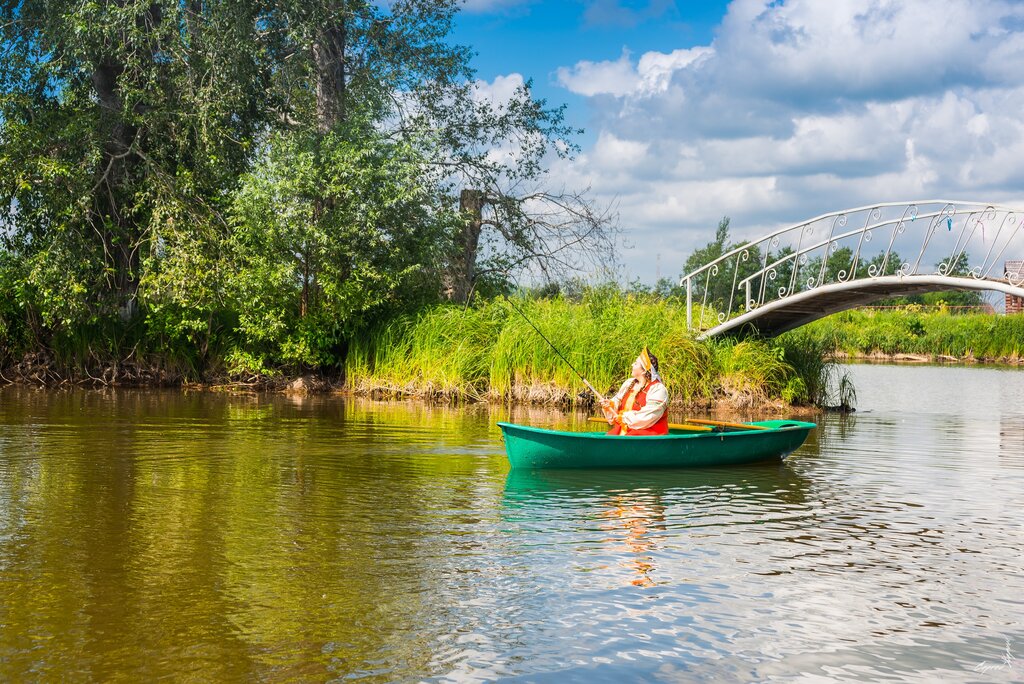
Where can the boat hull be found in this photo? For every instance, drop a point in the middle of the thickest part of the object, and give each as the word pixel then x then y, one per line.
pixel 537 448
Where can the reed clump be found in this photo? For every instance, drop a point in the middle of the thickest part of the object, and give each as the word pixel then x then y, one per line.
pixel 490 352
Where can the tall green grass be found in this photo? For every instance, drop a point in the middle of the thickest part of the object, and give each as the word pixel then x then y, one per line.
pixel 489 351
pixel 817 378
pixel 442 351
pixel 929 333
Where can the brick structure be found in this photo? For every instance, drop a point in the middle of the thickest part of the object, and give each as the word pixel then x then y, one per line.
pixel 1014 305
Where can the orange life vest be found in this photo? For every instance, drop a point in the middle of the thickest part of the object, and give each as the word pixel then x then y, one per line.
pixel 659 428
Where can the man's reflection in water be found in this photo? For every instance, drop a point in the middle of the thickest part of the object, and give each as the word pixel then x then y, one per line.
pixel 633 521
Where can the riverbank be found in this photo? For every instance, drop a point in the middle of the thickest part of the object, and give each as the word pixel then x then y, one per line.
pixel 913 333
pixel 880 357
pixel 490 353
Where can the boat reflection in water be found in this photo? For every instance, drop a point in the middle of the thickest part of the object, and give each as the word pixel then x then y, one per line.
pixel 625 524
pixel 632 522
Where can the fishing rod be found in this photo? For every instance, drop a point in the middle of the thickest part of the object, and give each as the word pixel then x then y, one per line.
pixel 600 397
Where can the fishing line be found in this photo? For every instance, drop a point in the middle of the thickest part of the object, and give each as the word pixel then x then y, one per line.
pixel 550 344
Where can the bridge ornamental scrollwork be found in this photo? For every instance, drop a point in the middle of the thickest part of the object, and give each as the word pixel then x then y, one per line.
pixel 924 241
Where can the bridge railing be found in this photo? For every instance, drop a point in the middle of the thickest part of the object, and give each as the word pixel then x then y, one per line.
pixel 928 237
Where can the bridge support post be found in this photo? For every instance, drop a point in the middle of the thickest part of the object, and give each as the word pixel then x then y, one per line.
pixel 689 304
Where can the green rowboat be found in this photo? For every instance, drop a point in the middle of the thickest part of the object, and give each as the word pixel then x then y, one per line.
pixel 537 448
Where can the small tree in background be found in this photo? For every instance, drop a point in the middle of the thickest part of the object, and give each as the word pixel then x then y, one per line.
pixel 719 288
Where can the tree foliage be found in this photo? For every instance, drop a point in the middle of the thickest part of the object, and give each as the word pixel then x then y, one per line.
pixel 722 286
pixel 305 270
pixel 121 123
pixel 253 181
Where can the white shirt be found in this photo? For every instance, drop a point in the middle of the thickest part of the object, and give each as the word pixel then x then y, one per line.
pixel 652 411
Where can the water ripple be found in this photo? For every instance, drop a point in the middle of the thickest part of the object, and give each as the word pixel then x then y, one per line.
pixel 180 536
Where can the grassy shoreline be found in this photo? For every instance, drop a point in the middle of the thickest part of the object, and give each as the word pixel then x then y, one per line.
pixel 489 353
pixel 915 333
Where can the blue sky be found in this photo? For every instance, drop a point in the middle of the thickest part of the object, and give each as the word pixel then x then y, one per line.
pixel 534 39
pixel 769 112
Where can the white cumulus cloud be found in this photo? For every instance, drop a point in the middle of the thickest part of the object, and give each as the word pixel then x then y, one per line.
pixel 652 74
pixel 500 90
pixel 803 107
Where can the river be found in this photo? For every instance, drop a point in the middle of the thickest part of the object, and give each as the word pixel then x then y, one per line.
pixel 148 535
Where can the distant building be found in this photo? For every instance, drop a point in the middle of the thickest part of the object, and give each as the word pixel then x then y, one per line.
pixel 1014 269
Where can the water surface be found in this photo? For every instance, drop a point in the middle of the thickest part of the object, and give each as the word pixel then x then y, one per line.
pixel 151 534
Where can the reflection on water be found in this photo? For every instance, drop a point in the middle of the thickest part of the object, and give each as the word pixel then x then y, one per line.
pixel 1011 439
pixel 636 510
pixel 149 534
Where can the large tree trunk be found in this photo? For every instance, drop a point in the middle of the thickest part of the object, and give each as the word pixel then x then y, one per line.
pixel 329 60
pixel 114 218
pixel 462 266
pixel 117 230
pixel 329 57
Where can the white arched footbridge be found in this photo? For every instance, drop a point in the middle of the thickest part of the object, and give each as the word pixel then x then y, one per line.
pixel 851 258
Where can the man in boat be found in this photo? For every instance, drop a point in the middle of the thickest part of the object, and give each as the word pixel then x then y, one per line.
pixel 640 407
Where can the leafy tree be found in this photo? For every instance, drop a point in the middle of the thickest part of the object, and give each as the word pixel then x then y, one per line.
pixel 880 265
pixel 306 271
pixel 711 251
pixel 263 177
pixel 839 261
pixel 955 267
pixel 639 289
pixel 120 122
pixel 723 286
pixel 958 267
pixel 13 332
pixel 667 288
pixel 783 273
pixel 394 65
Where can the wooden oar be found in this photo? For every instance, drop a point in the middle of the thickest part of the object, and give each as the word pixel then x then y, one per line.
pixel 672 426
pixel 719 423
